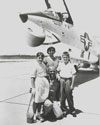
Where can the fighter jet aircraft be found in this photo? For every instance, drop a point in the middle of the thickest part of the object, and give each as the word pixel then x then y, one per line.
pixel 61 27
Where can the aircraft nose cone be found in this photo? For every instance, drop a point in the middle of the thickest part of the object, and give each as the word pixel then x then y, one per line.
pixel 23 17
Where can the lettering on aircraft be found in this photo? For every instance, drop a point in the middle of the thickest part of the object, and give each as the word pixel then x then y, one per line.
pixel 86 41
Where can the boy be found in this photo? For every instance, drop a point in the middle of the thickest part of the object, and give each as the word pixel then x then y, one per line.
pixel 66 75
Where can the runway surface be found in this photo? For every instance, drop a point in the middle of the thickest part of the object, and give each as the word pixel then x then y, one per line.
pixel 14 96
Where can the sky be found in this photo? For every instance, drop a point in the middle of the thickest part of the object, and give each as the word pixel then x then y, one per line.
pixel 85 14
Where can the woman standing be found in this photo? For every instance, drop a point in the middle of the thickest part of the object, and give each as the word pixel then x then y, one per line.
pixel 40 85
pixel 51 60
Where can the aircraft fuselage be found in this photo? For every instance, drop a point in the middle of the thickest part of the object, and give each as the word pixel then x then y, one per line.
pixel 53 22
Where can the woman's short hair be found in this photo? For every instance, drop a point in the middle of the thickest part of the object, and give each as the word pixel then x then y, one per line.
pixel 40 54
pixel 51 48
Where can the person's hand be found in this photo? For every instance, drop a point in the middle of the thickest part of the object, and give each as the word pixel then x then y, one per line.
pixel 33 91
pixel 71 87
pixel 30 90
pixel 58 77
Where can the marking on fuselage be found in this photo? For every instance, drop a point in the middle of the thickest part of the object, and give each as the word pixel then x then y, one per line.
pixel 86 40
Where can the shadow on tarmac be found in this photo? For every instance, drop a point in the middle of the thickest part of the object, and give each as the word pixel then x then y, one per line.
pixel 52 118
pixel 85 76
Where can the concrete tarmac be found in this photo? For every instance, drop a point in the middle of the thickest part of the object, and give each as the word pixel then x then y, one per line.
pixel 14 98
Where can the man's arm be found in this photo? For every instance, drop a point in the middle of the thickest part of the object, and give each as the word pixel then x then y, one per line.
pixel 73 76
pixel 73 79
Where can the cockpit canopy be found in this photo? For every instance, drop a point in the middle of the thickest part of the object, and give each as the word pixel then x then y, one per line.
pixel 55 15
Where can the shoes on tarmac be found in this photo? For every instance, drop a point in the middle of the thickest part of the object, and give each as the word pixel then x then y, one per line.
pixel 65 111
pixel 40 118
pixel 34 121
pixel 73 113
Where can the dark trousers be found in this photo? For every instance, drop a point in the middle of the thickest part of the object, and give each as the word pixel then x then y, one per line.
pixel 66 93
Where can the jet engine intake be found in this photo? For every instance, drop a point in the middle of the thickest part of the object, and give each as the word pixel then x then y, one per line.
pixel 23 17
pixel 35 39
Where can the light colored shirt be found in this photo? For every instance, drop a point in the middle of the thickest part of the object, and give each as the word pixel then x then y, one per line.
pixel 66 70
pixel 51 62
pixel 38 70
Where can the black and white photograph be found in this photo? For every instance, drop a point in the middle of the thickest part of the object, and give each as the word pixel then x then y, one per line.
pixel 49 62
